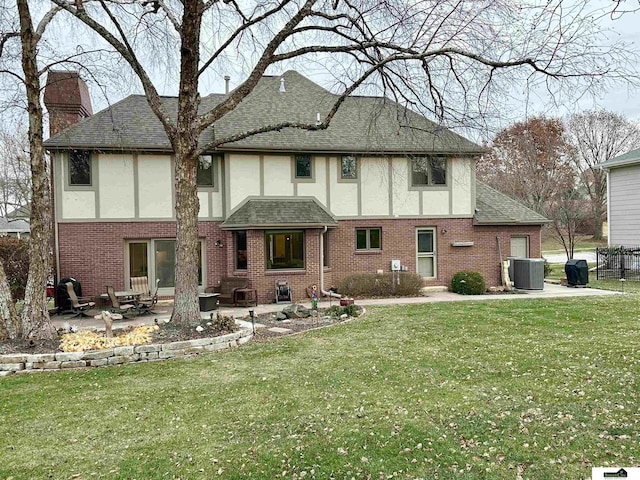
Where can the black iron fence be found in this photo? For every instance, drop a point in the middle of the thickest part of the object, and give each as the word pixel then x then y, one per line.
pixel 614 263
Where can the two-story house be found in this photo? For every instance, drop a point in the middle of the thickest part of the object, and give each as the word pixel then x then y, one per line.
pixel 623 199
pixel 382 183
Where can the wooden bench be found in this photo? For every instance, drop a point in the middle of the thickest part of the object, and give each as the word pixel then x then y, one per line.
pixel 228 289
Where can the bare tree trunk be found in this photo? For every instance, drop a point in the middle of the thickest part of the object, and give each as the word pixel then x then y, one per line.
pixel 9 325
pixel 35 316
pixel 597 216
pixel 185 144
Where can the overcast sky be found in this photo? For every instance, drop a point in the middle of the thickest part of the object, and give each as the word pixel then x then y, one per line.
pixel 619 99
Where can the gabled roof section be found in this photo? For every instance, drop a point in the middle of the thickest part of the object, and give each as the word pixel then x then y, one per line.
pixel 279 212
pixel 629 158
pixel 361 125
pixel 495 208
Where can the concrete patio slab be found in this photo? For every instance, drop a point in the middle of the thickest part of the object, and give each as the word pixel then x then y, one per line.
pixel 242 314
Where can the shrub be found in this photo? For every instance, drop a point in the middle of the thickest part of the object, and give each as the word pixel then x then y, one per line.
pixel 380 285
pixel 467 283
pixel 223 323
pixel 336 311
pixel 547 269
pixel 14 254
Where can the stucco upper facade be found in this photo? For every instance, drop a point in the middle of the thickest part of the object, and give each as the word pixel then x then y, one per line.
pixel 136 186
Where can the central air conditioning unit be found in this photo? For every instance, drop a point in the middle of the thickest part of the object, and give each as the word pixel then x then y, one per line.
pixel 528 273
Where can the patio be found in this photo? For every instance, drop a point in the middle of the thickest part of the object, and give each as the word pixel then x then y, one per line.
pixel 163 308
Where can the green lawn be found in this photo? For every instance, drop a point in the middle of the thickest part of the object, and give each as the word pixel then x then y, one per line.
pixel 541 388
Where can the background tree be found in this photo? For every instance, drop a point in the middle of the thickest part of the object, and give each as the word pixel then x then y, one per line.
pixel 532 162
pixel 15 171
pixel 597 136
pixel 447 59
pixel 20 45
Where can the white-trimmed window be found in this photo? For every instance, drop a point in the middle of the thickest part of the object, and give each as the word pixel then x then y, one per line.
pixel 426 252
pixel 368 239
pixel 427 170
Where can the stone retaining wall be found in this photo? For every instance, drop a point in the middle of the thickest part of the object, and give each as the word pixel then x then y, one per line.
pixel 25 363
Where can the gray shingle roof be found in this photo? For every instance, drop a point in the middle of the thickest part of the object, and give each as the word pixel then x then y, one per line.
pixel 362 124
pixel 629 158
pixel 279 212
pixel 10 225
pixel 495 208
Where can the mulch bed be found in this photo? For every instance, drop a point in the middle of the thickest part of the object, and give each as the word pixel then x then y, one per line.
pixel 171 332
pixel 295 325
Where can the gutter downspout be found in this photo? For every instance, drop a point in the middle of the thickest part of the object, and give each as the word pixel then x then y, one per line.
pixel 326 293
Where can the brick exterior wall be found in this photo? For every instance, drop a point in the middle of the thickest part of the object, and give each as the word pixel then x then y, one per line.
pixel 93 252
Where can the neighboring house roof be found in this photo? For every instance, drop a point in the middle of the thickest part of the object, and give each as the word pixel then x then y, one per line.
pixel 12 226
pixel 22 213
pixel 495 208
pixel 279 212
pixel 361 125
pixel 629 158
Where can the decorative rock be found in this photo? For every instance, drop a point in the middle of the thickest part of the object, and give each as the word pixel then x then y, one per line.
pixel 68 356
pixel 199 329
pixel 106 353
pixel 148 348
pixel 344 315
pixel 176 345
pixel 51 365
pixel 127 350
pixel 121 355
pixel 172 353
pixel 11 367
pixel 74 364
pixel 13 358
pixel 279 330
pixel 101 362
pixel 41 357
pixel 280 316
pixel 296 311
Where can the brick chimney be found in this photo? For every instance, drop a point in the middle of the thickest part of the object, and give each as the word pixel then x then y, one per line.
pixel 66 97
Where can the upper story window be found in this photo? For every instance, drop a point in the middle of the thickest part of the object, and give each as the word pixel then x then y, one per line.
pixel 348 167
pixel 427 170
pixel 79 167
pixel 206 173
pixel 303 166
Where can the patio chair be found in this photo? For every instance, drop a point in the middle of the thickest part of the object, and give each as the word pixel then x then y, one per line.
pixel 146 302
pixel 80 307
pixel 283 292
pixel 116 306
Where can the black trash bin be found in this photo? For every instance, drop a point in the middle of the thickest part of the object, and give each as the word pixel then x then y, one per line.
pixel 63 302
pixel 577 272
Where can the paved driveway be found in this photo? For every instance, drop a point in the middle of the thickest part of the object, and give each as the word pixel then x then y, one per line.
pixel 562 258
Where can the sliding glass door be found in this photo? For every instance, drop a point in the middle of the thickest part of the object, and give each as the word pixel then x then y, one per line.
pixel 156 258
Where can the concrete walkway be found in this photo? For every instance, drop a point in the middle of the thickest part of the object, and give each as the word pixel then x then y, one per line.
pixel 164 309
